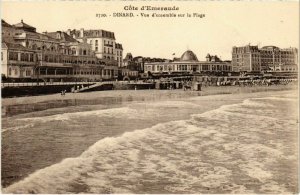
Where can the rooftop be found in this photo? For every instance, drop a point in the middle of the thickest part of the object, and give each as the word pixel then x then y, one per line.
pixel 189 56
pixel 24 26
pixel 92 33
pixel 3 23
pixel 62 36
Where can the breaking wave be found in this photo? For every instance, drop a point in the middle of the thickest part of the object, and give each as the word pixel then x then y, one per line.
pixel 220 151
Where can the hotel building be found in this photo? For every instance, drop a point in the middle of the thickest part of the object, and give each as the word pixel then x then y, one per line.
pixel 269 58
pixel 102 42
pixel 54 56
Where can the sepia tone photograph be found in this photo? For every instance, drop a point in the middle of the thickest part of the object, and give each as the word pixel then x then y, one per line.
pixel 149 97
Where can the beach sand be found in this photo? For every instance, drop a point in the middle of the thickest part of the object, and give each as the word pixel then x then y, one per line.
pixel 132 95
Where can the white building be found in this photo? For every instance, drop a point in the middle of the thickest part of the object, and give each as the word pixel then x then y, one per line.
pixel 102 42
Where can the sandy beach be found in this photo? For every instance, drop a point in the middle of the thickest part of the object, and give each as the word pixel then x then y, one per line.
pixel 131 95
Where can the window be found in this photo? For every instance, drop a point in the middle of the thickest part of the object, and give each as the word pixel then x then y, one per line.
pixel 24 57
pixel 96 42
pixel 28 72
pixel 91 42
pixel 16 71
pixel 13 56
pixel 31 58
pixel 47 58
pixel 34 47
pixel 1 56
pixel 96 48
pixel 9 71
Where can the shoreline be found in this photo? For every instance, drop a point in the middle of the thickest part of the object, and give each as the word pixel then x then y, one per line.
pixel 131 95
pixel 117 98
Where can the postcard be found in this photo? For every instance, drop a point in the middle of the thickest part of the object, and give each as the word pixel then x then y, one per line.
pixel 149 97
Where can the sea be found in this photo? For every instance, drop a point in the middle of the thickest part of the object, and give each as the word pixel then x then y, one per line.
pixel 246 143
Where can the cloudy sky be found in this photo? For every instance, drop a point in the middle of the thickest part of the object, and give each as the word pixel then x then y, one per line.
pixel 225 24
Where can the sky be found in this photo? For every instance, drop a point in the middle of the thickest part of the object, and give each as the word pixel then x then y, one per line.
pixel 226 24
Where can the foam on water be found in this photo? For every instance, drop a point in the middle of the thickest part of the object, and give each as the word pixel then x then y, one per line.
pixel 113 112
pixel 280 98
pixel 209 153
pixel 172 103
pixel 17 128
pixel 124 112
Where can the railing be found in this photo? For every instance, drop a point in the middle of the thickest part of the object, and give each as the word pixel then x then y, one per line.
pixel 28 84
pixel 44 84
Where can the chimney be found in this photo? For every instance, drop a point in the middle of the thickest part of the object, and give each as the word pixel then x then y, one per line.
pixel 81 32
pixel 69 32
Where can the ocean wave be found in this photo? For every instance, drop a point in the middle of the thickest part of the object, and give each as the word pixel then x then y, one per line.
pixel 113 112
pixel 16 128
pixel 167 104
pixel 198 155
pixel 280 98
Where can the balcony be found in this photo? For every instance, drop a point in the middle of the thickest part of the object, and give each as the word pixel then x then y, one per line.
pixel 108 45
pixel 15 62
pixel 53 64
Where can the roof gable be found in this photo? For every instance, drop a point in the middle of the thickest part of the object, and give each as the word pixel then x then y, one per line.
pixel 25 26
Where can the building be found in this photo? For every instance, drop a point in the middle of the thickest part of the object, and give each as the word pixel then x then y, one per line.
pixel 119 54
pixel 269 58
pixel 133 63
pixel 188 63
pixel 128 60
pixel 276 59
pixel 55 56
pixel 137 63
pixel 246 59
pixel 102 42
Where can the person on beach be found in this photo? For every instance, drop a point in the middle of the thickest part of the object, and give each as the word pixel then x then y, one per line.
pixel 63 92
